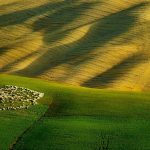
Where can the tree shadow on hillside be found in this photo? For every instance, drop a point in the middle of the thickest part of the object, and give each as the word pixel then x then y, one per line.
pixel 3 50
pixel 21 16
pixel 103 31
pixel 104 79
pixel 52 22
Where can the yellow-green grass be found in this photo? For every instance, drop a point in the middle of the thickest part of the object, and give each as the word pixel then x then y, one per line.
pixel 78 118
pixel 94 43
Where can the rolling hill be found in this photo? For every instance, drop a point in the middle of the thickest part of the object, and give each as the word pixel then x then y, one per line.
pixel 91 61
pixel 71 118
pixel 94 43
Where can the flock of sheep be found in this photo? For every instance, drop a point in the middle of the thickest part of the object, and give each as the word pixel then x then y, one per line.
pixel 13 97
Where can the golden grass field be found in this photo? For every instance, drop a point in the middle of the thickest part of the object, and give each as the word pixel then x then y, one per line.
pixel 93 43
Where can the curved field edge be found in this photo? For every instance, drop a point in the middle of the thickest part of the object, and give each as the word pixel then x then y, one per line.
pixel 83 107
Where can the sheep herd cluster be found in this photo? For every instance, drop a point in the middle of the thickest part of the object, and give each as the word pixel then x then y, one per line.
pixel 13 97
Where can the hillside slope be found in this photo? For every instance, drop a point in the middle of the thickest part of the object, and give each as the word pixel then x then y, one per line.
pixel 71 118
pixel 94 43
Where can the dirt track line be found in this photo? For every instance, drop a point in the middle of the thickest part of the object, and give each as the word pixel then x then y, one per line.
pixel 13 145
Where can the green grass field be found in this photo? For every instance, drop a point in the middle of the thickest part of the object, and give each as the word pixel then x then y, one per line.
pixel 77 118
pixel 14 123
pixel 94 43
